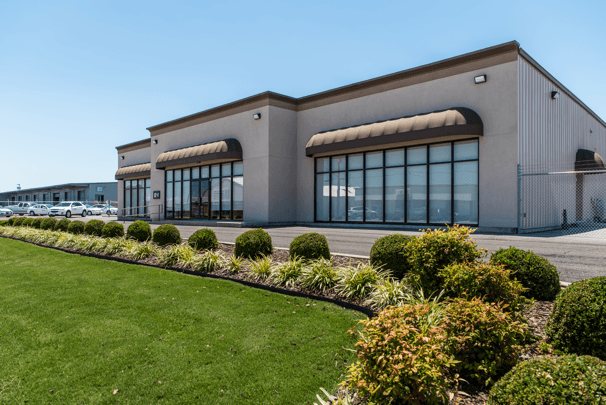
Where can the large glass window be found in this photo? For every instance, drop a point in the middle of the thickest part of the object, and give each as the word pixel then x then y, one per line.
pixel 206 192
pixel 426 184
pixel 136 197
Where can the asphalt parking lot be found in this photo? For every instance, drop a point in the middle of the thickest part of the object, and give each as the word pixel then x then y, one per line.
pixel 576 258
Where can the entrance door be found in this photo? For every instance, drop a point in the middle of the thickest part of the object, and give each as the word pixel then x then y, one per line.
pixel 195 199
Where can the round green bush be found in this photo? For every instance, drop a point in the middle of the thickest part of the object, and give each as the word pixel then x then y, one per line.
pixel 435 249
pixel 203 239
pixel 11 221
pixel 166 234
pixel 62 224
pixel 4 222
pixel 486 340
pixel 76 227
pixel 389 252
pixel 37 222
pixel 19 221
pixel 139 230
pixel 577 324
pixel 552 380
pixel 48 224
pixel 534 272
pixel 28 222
pixel 253 243
pixel 311 246
pixel 486 281
pixel 112 230
pixel 94 227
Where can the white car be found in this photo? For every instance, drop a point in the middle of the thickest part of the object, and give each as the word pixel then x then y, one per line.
pixel 94 210
pixel 108 209
pixel 5 212
pixel 39 209
pixel 67 209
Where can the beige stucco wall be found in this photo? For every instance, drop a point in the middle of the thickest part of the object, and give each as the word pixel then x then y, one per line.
pixel 495 101
pixel 252 134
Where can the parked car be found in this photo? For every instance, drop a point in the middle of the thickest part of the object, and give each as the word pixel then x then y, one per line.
pixel 39 209
pixel 108 209
pixel 94 210
pixel 67 209
pixel 22 208
pixel 5 212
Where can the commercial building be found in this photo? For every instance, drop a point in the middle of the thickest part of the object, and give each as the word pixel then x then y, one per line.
pixel 86 192
pixel 438 144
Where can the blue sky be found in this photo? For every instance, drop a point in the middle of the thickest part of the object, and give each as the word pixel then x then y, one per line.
pixel 79 78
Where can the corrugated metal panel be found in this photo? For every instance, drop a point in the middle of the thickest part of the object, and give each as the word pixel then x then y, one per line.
pixel 551 131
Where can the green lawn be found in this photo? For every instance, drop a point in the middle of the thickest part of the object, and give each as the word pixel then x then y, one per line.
pixel 75 329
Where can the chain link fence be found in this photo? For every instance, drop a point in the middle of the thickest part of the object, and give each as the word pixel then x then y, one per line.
pixel 562 202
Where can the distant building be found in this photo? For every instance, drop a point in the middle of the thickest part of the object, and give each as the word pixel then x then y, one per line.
pixel 85 192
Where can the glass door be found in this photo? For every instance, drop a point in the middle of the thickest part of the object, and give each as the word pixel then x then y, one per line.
pixel 204 199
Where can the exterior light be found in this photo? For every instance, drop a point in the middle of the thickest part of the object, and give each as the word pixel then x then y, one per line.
pixel 257 116
pixel 480 79
pixel 122 157
pixel 555 94
pixel 155 141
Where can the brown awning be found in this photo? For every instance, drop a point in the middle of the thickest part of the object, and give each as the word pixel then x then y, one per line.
pixel 588 160
pixel 226 150
pixel 141 170
pixel 454 121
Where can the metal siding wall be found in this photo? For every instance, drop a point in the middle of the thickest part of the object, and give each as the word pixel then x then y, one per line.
pixel 549 134
pixel 551 131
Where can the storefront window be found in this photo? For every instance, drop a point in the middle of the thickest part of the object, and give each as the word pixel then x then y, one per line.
pixel 190 193
pixel 427 184
pixel 136 197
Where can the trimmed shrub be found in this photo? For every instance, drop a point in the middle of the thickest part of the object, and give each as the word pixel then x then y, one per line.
pixel 140 231
pixel 11 221
pixel 49 224
pixel 253 243
pixel 62 224
pixel 434 250
pixel 76 227
pixel 203 239
pixel 94 227
pixel 37 222
pixel 112 230
pixel 28 222
pixel 402 357
pixel 19 221
pixel 485 281
pixel 578 321
pixel 309 246
pixel 534 272
pixel 483 338
pixel 4 222
pixel 553 380
pixel 390 253
pixel 166 234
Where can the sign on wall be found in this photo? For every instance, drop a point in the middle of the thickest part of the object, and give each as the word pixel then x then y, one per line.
pixel 156 195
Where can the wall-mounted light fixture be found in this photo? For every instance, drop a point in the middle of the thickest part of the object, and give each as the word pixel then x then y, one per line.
pixel 555 94
pixel 257 116
pixel 122 157
pixel 155 141
pixel 479 79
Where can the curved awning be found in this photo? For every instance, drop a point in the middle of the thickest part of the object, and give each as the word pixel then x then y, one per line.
pixel 226 150
pixel 587 160
pixel 140 170
pixel 454 121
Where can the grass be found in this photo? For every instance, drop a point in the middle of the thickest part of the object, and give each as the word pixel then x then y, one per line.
pixel 75 329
